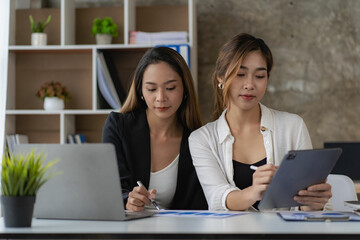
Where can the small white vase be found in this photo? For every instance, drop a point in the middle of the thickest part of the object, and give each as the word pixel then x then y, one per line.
pixel 103 38
pixel 38 39
pixel 53 103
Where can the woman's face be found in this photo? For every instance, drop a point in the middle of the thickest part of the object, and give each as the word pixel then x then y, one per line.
pixel 162 89
pixel 249 85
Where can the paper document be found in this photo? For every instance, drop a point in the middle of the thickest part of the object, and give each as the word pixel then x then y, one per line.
pixel 319 216
pixel 196 214
pixel 353 204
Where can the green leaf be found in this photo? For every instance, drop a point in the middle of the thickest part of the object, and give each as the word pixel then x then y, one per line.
pixel 40 26
pixel 24 174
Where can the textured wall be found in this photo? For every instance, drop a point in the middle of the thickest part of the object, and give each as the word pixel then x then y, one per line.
pixel 316 48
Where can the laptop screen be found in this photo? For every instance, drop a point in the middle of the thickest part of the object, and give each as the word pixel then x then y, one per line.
pixel 349 161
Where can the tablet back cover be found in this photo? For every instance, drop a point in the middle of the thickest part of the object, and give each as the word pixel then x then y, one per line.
pixel 298 170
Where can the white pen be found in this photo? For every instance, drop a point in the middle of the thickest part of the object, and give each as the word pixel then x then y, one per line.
pixel 253 167
pixel 152 200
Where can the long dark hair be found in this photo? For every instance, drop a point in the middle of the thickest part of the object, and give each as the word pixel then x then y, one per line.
pixel 188 112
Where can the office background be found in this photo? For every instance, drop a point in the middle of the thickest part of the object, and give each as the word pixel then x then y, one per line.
pixel 316 49
pixel 316 56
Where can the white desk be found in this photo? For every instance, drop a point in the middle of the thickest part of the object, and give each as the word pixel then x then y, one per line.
pixel 250 226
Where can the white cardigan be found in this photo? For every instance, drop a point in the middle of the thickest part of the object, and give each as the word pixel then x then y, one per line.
pixel 211 148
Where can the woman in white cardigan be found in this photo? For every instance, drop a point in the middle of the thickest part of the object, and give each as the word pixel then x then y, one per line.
pixel 247 133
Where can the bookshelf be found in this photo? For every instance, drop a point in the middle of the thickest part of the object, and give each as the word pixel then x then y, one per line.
pixel 70 58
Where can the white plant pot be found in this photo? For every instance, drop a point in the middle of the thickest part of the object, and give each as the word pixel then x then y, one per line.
pixel 103 38
pixel 53 103
pixel 38 39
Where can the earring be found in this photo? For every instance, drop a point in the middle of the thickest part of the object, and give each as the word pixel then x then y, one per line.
pixel 142 98
pixel 220 86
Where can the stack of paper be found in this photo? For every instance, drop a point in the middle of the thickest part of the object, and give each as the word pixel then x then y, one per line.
pixel 146 38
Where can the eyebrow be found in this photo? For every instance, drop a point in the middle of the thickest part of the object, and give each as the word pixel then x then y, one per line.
pixel 167 82
pixel 257 69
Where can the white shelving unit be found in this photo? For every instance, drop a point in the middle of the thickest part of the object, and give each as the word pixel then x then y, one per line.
pixel 70 57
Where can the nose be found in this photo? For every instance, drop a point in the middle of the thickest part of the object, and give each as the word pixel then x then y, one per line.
pixel 249 83
pixel 161 96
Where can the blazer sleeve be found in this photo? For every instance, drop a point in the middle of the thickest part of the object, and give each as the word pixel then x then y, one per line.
pixel 113 132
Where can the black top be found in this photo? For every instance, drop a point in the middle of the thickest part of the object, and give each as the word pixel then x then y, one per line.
pixel 130 134
pixel 243 174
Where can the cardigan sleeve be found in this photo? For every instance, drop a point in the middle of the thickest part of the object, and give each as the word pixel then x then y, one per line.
pixel 209 168
pixel 113 133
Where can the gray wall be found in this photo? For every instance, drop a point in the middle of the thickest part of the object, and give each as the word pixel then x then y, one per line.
pixel 316 49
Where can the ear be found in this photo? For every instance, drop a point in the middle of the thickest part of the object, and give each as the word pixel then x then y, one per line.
pixel 220 80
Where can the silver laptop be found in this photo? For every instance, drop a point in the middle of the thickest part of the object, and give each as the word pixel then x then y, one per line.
pixel 89 187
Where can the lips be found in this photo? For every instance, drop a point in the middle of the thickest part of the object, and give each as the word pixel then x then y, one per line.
pixel 161 109
pixel 247 97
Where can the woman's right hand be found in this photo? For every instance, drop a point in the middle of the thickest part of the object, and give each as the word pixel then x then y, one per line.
pixel 261 179
pixel 139 197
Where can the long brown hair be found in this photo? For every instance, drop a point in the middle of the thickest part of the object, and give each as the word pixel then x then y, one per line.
pixel 188 112
pixel 228 64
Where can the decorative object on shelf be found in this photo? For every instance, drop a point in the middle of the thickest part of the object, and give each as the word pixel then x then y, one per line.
pixel 104 30
pixel 38 37
pixel 53 95
pixel 53 103
pixel 21 177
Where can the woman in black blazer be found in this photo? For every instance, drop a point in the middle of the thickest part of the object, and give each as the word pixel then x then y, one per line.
pixel 151 133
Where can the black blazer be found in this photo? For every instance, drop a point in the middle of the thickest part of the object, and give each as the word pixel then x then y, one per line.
pixel 130 134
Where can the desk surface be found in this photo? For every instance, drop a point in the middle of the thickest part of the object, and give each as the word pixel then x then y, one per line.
pixel 250 226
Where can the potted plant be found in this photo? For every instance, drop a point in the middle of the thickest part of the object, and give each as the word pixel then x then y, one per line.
pixel 53 94
pixel 38 37
pixel 104 30
pixel 21 177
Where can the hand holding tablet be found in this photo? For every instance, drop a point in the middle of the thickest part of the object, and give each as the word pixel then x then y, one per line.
pixel 298 170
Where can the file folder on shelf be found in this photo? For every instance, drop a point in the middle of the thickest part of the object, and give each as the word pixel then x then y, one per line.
pixel 183 49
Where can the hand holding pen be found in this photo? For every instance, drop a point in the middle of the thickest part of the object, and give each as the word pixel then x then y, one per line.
pixel 261 178
pixel 139 197
pixel 152 200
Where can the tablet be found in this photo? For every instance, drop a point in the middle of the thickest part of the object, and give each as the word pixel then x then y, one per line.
pixel 298 170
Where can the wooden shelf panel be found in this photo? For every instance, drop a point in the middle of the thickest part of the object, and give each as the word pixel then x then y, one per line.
pixel 162 18
pixel 23 30
pixel 84 21
pixel 91 126
pixel 72 69
pixel 39 128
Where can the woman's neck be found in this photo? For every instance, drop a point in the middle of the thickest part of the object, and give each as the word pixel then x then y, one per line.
pixel 239 119
pixel 163 127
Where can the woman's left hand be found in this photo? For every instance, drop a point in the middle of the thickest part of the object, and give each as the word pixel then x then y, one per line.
pixel 314 197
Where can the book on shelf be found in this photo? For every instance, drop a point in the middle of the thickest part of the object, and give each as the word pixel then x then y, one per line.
pixel 80 138
pixel 70 139
pixel 13 139
pixel 105 83
pixel 76 138
pixel 154 38
pixel 119 87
